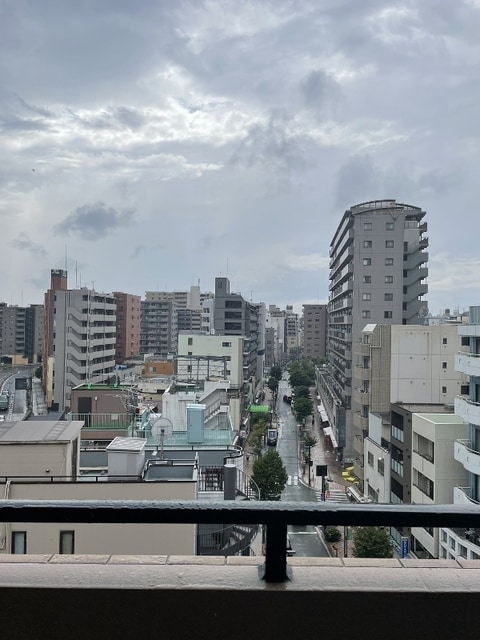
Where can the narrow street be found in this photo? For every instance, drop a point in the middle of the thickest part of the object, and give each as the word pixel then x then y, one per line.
pixel 305 540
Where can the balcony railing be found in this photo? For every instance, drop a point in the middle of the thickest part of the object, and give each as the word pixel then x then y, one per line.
pixel 274 516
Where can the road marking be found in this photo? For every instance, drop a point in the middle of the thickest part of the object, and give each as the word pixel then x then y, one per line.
pixel 289 480
pixel 295 480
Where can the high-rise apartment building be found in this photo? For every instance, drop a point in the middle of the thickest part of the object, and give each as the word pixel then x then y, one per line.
pixel 79 339
pixel 127 336
pixel 235 316
pixel 21 333
pixel 377 275
pixel 158 327
pixel 314 330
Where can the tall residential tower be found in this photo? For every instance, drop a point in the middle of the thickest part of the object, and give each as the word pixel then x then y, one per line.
pixel 377 275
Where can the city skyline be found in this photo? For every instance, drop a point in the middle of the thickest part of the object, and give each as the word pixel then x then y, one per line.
pixel 156 145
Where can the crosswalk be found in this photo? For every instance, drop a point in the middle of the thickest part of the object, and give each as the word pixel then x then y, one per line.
pixel 292 480
pixel 332 495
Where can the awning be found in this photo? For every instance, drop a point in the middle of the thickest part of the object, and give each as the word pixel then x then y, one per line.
pixel 328 431
pixel 322 413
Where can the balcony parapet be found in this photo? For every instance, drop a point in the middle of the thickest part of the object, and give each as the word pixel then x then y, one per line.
pixel 468 363
pixel 274 515
pixel 40 595
pixel 467 409
pixel 468 457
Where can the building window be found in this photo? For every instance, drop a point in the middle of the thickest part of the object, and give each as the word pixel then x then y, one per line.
pixel 19 542
pixel 388 279
pixel 381 466
pixel 365 314
pixel 387 314
pixel 388 262
pixel 190 341
pixel 366 296
pixel 389 244
pixel 367 244
pixel 367 279
pixel 388 297
pixel 444 365
pixel 367 226
pixel 389 226
pixel 67 542
pixel 226 344
pixel 367 262
pixel 370 458
pixel 444 341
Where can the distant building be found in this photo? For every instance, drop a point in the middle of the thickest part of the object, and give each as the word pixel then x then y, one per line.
pixel 21 333
pixel 80 327
pixel 314 330
pixel 127 335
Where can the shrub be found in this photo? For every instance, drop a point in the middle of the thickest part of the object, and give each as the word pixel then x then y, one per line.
pixel 332 534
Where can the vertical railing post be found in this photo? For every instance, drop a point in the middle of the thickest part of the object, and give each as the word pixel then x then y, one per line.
pixel 275 568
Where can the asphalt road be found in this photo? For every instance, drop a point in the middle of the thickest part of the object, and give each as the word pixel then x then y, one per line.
pixel 305 539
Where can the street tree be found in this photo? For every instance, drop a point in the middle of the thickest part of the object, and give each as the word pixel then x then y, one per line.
pixel 303 407
pixel 302 392
pixel 270 475
pixel 276 372
pixel 309 441
pixel 272 384
pixel 371 542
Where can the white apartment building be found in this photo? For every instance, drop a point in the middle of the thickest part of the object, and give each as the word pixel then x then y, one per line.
pixel 461 542
pixel 210 357
pixel 80 342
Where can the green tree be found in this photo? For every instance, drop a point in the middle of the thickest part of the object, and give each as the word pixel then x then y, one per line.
pixel 371 542
pixel 276 372
pixel 302 392
pixel 332 534
pixel 270 475
pixel 272 384
pixel 309 441
pixel 303 407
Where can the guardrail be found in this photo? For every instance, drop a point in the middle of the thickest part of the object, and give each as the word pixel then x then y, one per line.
pixel 275 516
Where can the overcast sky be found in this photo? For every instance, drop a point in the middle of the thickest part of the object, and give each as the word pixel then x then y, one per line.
pixel 153 144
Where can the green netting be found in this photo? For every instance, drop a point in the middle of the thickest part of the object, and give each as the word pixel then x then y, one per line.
pixel 259 408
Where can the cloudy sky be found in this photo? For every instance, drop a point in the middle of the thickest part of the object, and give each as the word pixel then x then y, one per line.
pixel 153 144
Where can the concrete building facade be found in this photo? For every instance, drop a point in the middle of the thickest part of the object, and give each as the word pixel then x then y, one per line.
pixel 79 340
pixel 377 275
pixel 127 336
pixel 314 330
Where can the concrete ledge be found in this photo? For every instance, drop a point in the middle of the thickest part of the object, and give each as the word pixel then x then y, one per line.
pixel 183 596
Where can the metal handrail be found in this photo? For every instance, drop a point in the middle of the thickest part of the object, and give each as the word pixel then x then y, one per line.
pixel 274 515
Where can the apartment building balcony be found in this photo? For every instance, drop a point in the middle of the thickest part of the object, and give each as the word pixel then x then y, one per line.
pixel 467 409
pixel 468 363
pixel 362 373
pixel 415 259
pixel 41 595
pixel 345 272
pixel 467 456
pixel 414 275
pixel 361 397
pixel 415 291
pixel 463 496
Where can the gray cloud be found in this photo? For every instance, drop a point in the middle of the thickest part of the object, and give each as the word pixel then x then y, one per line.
pixel 23 243
pixel 90 221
